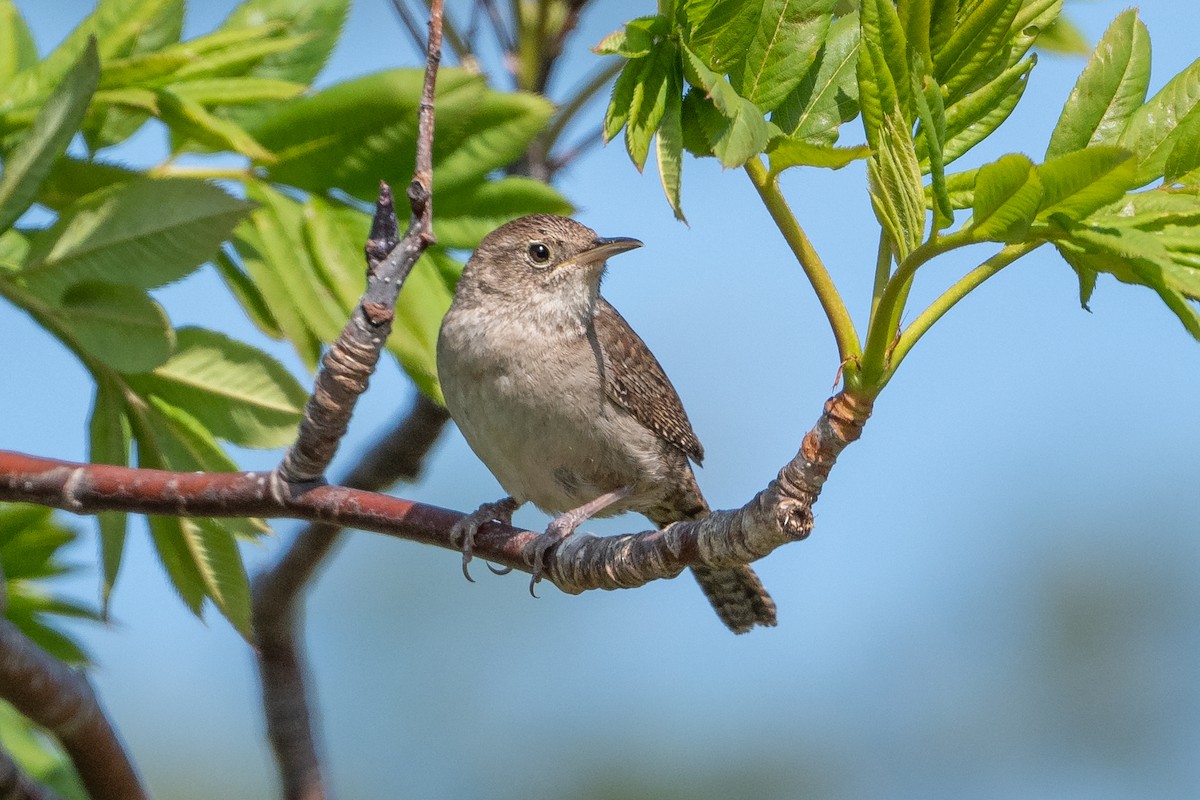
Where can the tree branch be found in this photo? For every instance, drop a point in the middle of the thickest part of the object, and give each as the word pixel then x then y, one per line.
pixel 62 701
pixel 277 591
pixel 781 513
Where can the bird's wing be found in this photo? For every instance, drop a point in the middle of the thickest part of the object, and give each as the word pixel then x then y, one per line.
pixel 634 380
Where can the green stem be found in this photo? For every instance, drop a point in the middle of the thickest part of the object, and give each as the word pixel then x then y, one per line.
pixel 883 264
pixel 844 332
pixel 947 300
pixel 885 320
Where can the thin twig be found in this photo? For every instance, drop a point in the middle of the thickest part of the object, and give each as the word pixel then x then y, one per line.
pixel 61 700
pixel 410 24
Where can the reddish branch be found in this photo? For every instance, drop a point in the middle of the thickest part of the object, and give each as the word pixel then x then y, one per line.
pixel 780 513
pixel 61 700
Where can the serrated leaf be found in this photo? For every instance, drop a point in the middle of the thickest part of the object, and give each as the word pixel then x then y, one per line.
pixel 979 114
pixel 1078 183
pixel 927 99
pixel 236 91
pixel 827 94
pixel 1152 130
pixel 189 119
pixel 109 440
pixel 649 100
pixel 247 294
pixel 977 39
pixel 883 65
pixel 617 114
pixel 143 233
pixel 51 132
pixel 787 36
pixel 788 151
pixel 635 39
pixel 465 217
pixel 236 391
pixel 1185 154
pixel 720 31
pixel 73 178
pixel 215 552
pixel 120 325
pixel 745 133
pixel 171 542
pixel 669 148
pixel 277 260
pixel 1007 195
pixel 18 51
pixel 1111 87
pixel 319 21
pixel 894 183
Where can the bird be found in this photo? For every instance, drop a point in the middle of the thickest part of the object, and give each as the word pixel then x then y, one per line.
pixel 566 405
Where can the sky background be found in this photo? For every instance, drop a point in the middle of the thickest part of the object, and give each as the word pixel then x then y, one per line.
pixel 999 599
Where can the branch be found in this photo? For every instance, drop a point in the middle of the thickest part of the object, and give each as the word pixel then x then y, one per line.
pixel 780 513
pixel 398 456
pixel 343 377
pixel 62 701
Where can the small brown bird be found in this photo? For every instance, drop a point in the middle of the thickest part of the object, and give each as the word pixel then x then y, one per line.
pixel 565 404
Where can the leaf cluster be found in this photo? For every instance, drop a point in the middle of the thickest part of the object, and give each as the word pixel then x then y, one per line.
pixel 84 242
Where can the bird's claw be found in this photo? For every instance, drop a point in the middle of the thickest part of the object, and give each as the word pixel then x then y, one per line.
pixel 465 529
pixel 559 529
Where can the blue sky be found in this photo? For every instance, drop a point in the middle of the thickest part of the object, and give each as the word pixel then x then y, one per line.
pixel 998 600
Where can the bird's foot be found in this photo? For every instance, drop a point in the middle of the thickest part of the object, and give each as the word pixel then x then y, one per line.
pixel 559 528
pixel 463 532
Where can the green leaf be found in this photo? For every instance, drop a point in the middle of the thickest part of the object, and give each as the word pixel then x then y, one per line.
pixel 335 236
pixel 120 27
pixel 1078 183
pixel 73 178
pixel 56 123
pixel 1008 193
pixel 979 114
pixel 927 99
pixel 787 151
pixel 721 31
pixel 109 437
pixel 271 244
pixel 236 391
pixel 191 120
pixel 215 552
pixel 173 537
pixel 649 100
pixel 248 295
pixel 894 183
pixel 827 94
pixel 465 217
pixel 353 134
pixel 236 91
pixel 1063 37
pixel 788 34
pixel 669 148
pixel 977 39
pixel 318 21
pixel 635 39
pixel 17 48
pixel 745 132
pixel 142 233
pixel 617 115
pixel 120 325
pixel 883 66
pixel 1152 130
pixel 1111 87
pixel 1185 154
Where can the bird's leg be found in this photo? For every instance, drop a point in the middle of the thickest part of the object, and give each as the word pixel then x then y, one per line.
pixel 565 524
pixel 465 529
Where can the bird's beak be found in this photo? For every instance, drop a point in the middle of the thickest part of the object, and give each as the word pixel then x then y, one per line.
pixel 603 247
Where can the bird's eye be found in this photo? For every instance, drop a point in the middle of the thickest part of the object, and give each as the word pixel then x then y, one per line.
pixel 539 253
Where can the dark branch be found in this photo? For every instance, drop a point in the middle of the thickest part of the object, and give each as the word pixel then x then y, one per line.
pixel 62 701
pixel 778 514
pixel 277 591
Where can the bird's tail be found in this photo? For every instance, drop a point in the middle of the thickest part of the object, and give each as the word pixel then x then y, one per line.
pixel 736 593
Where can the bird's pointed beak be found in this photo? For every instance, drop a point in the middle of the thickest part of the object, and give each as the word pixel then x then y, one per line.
pixel 605 247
